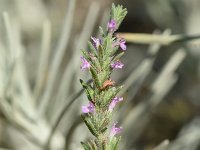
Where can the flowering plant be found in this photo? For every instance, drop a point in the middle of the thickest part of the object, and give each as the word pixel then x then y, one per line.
pixel 100 60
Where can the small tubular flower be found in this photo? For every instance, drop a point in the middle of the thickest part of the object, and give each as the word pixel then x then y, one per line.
pixel 115 130
pixel 122 44
pixel 117 65
pixel 85 63
pixel 112 25
pixel 89 108
pixel 114 102
pixel 96 42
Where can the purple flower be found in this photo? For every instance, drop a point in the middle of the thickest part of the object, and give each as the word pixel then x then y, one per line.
pixel 85 63
pixel 117 64
pixel 96 42
pixel 112 25
pixel 114 102
pixel 122 44
pixel 89 108
pixel 115 130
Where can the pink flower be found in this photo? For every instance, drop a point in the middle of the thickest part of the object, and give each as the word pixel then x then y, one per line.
pixel 96 42
pixel 89 108
pixel 114 102
pixel 117 64
pixel 122 44
pixel 112 25
pixel 85 63
pixel 115 130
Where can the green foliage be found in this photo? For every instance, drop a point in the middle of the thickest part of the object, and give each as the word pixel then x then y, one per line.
pixel 108 45
pixel 118 56
pixel 101 55
pixel 92 59
pixel 95 78
pixel 113 144
pixel 89 146
pixel 86 146
pixel 102 91
pixel 102 34
pixel 90 124
pixel 118 13
pixel 103 75
pixel 107 95
pixel 88 90
pixel 92 48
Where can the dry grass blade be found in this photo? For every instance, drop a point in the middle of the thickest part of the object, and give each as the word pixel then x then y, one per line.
pixel 138 75
pixel 188 138
pixel 57 122
pixel 142 38
pixel 73 69
pixel 139 115
pixel 43 62
pixel 60 49
pixel 162 146
pixel 10 40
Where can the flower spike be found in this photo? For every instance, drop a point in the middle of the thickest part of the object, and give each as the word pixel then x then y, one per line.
pixel 101 59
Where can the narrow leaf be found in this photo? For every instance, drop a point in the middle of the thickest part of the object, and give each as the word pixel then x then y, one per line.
pixel 90 126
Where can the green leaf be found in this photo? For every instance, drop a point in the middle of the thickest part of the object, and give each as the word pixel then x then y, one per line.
pixel 108 95
pixel 96 64
pixel 95 77
pixel 101 121
pixel 108 45
pixel 86 55
pixel 102 34
pixel 106 66
pixel 116 143
pixel 100 55
pixel 83 84
pixel 103 75
pixel 108 50
pixel 88 89
pixel 92 48
pixel 118 13
pixel 93 145
pixel 113 144
pixel 118 56
pixel 112 13
pixel 85 146
pixel 92 59
pixel 90 125
pixel 104 130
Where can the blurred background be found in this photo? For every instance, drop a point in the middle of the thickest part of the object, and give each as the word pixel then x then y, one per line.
pixel 40 93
